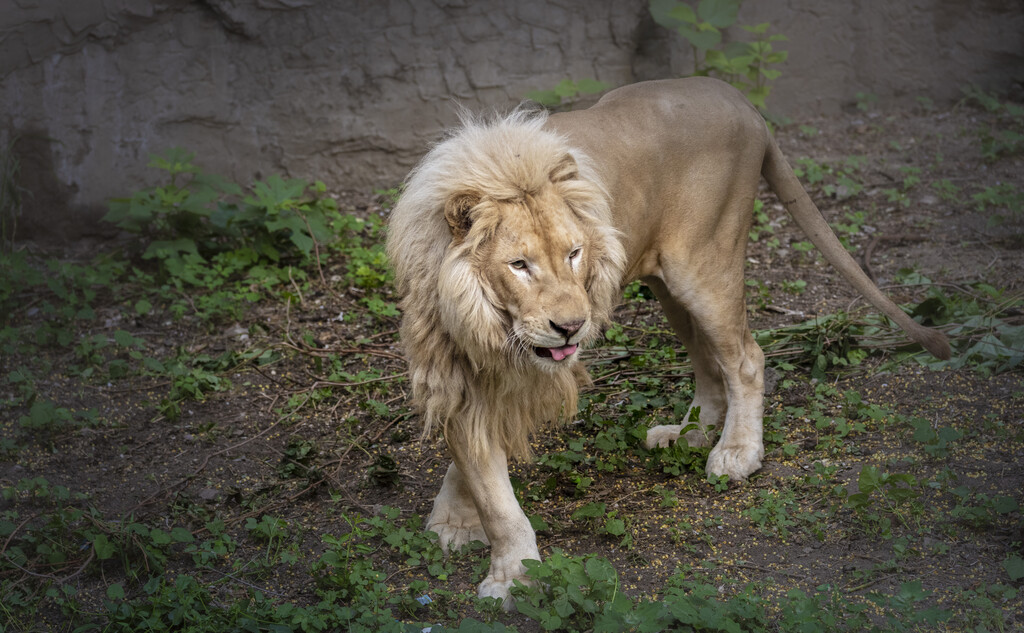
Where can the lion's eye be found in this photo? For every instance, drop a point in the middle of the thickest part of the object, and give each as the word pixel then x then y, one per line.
pixel 575 253
pixel 519 264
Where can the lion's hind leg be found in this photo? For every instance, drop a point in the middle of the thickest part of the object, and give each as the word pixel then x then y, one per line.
pixel 709 394
pixel 454 518
pixel 728 364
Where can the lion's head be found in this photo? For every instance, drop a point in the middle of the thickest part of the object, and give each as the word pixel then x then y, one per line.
pixel 504 252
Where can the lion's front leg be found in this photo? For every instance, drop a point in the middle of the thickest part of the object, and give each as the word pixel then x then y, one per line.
pixel 454 518
pixel 504 523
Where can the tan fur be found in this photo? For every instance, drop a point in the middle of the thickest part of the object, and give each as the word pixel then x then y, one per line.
pixel 464 367
pixel 511 243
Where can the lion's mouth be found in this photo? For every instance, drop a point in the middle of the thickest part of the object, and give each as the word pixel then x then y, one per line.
pixel 556 353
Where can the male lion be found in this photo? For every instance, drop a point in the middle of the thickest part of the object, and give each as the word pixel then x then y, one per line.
pixel 511 244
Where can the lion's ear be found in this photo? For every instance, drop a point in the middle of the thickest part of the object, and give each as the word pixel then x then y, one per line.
pixel 456 212
pixel 565 169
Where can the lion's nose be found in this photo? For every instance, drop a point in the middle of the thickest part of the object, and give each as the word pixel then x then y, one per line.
pixel 567 329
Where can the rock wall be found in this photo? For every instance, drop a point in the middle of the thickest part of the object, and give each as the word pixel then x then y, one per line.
pixel 351 91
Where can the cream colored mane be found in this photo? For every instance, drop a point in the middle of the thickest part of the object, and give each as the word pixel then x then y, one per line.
pixel 467 378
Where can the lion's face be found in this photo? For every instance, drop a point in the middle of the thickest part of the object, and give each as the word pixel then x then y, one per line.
pixel 527 279
pixel 536 263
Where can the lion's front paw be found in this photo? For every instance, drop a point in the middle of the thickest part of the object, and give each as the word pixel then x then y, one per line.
pixel 738 462
pixel 665 435
pixel 455 531
pixel 662 436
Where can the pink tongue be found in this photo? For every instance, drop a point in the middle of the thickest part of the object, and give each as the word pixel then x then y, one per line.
pixel 559 353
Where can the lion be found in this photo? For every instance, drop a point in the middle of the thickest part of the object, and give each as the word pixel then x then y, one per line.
pixel 511 244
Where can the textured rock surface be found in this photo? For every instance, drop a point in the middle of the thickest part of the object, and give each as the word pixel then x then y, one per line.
pixel 352 92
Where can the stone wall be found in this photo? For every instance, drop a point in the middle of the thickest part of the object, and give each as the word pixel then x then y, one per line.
pixel 351 91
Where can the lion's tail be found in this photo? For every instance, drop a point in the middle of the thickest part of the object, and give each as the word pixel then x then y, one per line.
pixel 784 182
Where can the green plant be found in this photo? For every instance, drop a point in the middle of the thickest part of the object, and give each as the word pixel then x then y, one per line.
pixel 772 511
pixel 981 510
pixel 1014 566
pixel 749 66
pixel 1004 197
pixel 759 293
pixel 299 460
pixel 571 594
pixel 607 523
pixel 1004 136
pixel 827 342
pixel 839 181
pixel 207 233
pixel 271 530
pixel 881 496
pixel 361 242
pixel 866 101
pixel 987 340
pixel 794 287
pixel 936 441
pixel 195 215
pixel 567 92
pixel 762 223
pixel 947 190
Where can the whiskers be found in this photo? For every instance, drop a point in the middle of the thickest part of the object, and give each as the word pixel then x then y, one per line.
pixel 517 350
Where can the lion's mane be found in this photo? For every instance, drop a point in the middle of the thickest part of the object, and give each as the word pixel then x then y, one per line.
pixel 465 378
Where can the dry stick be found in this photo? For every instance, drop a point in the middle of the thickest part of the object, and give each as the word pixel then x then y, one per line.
pixel 248 584
pixel 59 579
pixel 316 251
pixel 768 570
pixel 308 351
pixel 13 532
pixel 331 383
pixel 354 443
pixel 296 286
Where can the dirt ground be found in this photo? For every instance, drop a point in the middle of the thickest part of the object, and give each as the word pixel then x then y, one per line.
pixel 224 455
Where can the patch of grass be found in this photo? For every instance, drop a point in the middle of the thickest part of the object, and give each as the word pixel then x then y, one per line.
pixel 1004 136
pixel 584 594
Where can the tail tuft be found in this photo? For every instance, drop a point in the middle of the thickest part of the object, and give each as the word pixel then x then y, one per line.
pixel 934 341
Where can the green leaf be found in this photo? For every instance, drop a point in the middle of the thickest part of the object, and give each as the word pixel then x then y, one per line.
pixel 143 306
pixel 663 12
pixel 124 339
pixel 1004 504
pixel 153 365
pixel 1014 566
pixel 566 89
pixel 181 535
pixel 175 160
pixel 544 97
pixel 591 86
pixel 869 479
pixel 758 28
pixel 159 537
pixel 682 13
pixel 115 591
pixel 615 527
pixel 703 39
pixel 103 547
pixel 589 511
pixel 719 13
pixel 538 523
